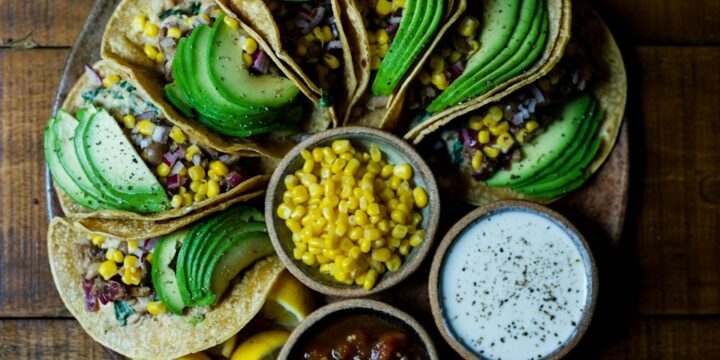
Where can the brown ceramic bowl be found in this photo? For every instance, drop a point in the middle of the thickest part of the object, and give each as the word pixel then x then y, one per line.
pixel 330 314
pixel 395 150
pixel 482 213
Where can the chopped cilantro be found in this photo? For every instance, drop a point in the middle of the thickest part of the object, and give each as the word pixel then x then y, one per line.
pixel 196 319
pixel 122 312
pixel 193 9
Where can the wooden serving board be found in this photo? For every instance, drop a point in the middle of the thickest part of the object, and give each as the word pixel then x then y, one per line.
pixel 597 209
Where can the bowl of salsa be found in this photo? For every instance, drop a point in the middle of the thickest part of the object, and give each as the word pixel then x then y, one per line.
pixel 513 280
pixel 359 329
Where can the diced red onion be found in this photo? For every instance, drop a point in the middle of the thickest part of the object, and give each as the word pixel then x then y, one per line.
pixel 173 181
pixel 148 115
pixel 234 179
pixel 93 75
pixel 319 15
pixel 333 28
pixel 335 44
pixel 457 69
pixel 224 158
pixel 177 168
pixel 167 42
pixel 429 91
pixel 537 93
pixel 145 142
pixel 531 105
pixel 201 20
pixel 395 19
pixel 196 159
pixel 149 244
pixel 260 62
pixel 160 134
pixel 91 304
pixel 112 291
pixel 525 113
pixel 392 29
pixel 169 159
pixel 302 23
pixel 464 136
pixel 517 119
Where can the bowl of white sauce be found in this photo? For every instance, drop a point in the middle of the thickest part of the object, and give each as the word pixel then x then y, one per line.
pixel 513 280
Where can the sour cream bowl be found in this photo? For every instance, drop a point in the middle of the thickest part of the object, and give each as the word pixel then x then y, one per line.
pixel 513 280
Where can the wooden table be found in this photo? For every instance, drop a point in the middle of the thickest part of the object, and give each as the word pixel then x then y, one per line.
pixel 660 292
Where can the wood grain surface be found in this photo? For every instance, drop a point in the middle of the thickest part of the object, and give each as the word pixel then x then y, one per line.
pixel 660 286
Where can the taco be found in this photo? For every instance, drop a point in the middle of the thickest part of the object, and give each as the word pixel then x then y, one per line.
pixel 113 153
pixel 545 139
pixel 134 298
pixel 212 71
pixel 391 40
pixel 495 47
pixel 309 38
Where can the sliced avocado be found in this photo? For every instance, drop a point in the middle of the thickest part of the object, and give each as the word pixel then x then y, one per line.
pixel 414 33
pixel 583 137
pixel 519 62
pixel 164 279
pixel 233 80
pixel 177 97
pixel 273 121
pixel 119 167
pixel 458 92
pixel 182 269
pixel 497 24
pixel 60 175
pixel 232 257
pixel 569 181
pixel 199 287
pixel 546 147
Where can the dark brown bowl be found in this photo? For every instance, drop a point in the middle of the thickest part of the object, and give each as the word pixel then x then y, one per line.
pixel 470 219
pixel 395 150
pixel 326 314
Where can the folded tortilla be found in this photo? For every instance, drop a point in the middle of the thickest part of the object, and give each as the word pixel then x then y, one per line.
pixel 165 335
pixel 124 45
pixel 609 91
pixel 72 209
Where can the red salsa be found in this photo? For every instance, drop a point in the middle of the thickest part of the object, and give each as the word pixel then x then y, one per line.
pixel 365 337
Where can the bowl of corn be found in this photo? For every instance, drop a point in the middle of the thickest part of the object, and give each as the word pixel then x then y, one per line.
pixel 352 211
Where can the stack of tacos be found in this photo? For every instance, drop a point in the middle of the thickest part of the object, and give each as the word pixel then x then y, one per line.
pixel 195 101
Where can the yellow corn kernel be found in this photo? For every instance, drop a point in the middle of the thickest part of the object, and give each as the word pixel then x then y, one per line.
pixel 308 259
pixel 156 307
pixel 231 22
pixel 218 167
pixel 107 269
pixel 383 8
pixel 424 77
pixel 477 160
pixel 417 238
pixel 97 240
pixel 420 197
pixel 520 136
pixel 139 22
pixel 365 245
pixel 404 247
pixel 163 170
pixel 298 212
pixel 300 194
pixel 151 30
pixel 398 4
pixel 132 246
pixel 439 80
pixel 381 37
pixel 290 181
pixel 195 185
pixel 293 225
pixel 146 127
pixel 187 199
pixel 474 45
pixel 394 263
pixel 475 123
pixel 403 171
pixel 328 155
pixel 160 57
pixel 531 125
pixel 416 219
pixel 399 216
pixel 370 279
pixel 483 136
pixel 455 56
pixel 495 113
pixel 196 173
pixel 505 141
pixel 213 188
pixel 381 254
pixel 318 33
pixel 176 201
pixel 308 166
pixel 110 80
pixel 386 171
pixel 200 196
pixel 468 26
pixel 129 121
pixel 114 255
pixel 205 17
pixel 130 261
pixel 500 128
pixel 149 257
pixel 247 59
pixel 341 146
pixel 301 50
pixel 327 33
pixel 399 231
pixel 375 62
pixel 175 32
pixel 250 45
pixel 437 62
pixel 131 276
pixel 491 152
pixel 352 167
pixel 489 121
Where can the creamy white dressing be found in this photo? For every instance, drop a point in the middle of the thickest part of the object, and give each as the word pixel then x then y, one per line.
pixel 514 285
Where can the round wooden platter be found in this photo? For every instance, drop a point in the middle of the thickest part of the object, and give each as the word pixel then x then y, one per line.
pixel 597 209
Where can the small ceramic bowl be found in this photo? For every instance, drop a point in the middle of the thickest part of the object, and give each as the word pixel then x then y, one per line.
pixel 395 151
pixel 329 314
pixel 479 214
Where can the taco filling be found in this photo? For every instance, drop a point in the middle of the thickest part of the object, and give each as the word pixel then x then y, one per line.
pixel 119 152
pixel 216 72
pixel 530 136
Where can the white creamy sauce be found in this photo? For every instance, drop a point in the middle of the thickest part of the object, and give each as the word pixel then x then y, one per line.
pixel 513 285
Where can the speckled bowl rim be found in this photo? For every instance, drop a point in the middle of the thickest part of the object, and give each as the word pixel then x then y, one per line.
pixel 387 280
pixel 364 305
pixel 470 219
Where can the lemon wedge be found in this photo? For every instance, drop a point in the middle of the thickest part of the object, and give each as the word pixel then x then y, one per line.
pixel 289 302
pixel 265 345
